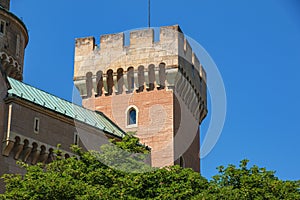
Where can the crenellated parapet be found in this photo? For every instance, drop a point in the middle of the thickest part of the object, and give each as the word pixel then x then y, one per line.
pixel 113 68
pixel 112 53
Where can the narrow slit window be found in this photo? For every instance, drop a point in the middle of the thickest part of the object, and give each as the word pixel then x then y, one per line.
pixel 36 125
pixel 181 162
pixel 18 46
pixel 76 139
pixel 2 27
pixel 193 71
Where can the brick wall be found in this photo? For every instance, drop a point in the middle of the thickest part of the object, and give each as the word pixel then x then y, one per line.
pixel 155 119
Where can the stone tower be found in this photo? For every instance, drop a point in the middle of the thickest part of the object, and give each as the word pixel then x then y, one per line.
pixel 154 88
pixel 13 41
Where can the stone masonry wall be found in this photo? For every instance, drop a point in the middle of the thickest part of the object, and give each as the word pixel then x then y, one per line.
pixel 13 41
pixel 3 91
pixel 112 54
pixel 19 141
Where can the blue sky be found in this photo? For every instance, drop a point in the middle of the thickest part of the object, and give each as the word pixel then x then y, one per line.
pixel 255 44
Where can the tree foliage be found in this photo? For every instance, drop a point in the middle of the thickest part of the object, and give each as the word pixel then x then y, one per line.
pixel 85 177
pixel 245 183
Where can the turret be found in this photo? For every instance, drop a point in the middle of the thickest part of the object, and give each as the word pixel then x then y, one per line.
pixel 156 88
pixel 5 4
pixel 150 64
pixel 13 41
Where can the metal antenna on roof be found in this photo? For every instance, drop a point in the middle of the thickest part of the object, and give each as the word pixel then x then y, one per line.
pixel 149 14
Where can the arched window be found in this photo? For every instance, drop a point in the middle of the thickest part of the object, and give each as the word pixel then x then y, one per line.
pixel 131 116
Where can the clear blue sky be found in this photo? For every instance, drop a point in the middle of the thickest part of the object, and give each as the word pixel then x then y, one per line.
pixel 255 44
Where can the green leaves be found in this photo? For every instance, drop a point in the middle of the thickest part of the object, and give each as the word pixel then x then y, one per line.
pixel 250 183
pixel 89 178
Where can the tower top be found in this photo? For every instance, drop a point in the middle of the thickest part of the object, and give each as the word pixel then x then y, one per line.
pixel 13 40
pixel 5 4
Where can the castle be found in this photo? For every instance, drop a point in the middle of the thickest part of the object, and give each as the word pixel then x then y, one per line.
pixel 154 88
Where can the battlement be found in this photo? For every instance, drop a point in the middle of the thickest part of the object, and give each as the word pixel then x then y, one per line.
pixel 112 41
pixel 112 53
pixel 145 63
pixel 138 38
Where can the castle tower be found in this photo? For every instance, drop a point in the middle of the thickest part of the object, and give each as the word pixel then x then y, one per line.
pixel 154 88
pixel 13 41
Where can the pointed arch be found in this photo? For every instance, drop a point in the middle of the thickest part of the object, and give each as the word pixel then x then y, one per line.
pixel 131 116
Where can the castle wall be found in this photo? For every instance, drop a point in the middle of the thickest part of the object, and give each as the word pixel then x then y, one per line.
pixel 155 119
pixel 192 155
pixel 52 131
pixel 165 124
pixel 3 91
pixel 21 141
pixel 163 80
pixel 186 135
pixel 53 128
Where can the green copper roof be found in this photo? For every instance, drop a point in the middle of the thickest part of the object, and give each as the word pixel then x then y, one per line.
pixel 51 102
